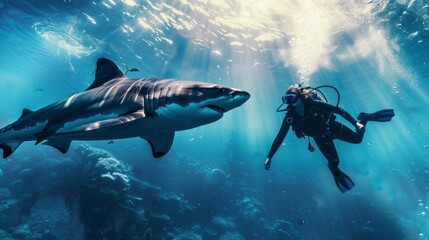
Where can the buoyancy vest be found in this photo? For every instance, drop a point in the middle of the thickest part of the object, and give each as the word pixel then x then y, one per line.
pixel 314 122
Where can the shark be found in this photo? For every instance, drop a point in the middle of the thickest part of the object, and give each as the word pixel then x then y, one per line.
pixel 117 107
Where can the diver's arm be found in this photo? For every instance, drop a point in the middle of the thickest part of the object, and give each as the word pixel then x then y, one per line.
pixel 331 108
pixel 277 142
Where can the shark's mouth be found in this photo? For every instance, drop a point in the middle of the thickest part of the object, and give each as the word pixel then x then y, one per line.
pixel 216 108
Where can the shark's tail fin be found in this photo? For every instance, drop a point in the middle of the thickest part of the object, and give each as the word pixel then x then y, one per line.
pixel 9 148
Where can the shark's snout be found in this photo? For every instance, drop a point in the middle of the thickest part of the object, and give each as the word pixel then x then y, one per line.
pixel 241 95
pixel 236 98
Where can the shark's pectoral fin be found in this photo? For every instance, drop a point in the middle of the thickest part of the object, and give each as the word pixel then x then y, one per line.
pixel 9 148
pixel 41 136
pixel 61 145
pixel 48 131
pixel 160 142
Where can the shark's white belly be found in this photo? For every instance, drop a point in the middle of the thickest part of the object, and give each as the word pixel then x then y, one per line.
pixel 138 128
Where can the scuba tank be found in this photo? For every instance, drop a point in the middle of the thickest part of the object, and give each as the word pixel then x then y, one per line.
pixel 316 94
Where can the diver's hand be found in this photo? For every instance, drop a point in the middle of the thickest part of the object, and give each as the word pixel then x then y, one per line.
pixel 267 163
pixel 360 128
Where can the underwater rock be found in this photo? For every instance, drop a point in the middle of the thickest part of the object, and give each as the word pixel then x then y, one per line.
pixel 107 173
pixel 110 164
pixel 9 203
pixel 223 223
pixel 165 196
pixel 210 231
pixel 26 196
pixel 5 193
pixel 284 230
pixel 141 213
pixel 188 236
pixel 249 208
pixel 49 163
pixel 160 216
pixel 217 176
pixel 148 234
pixel 169 236
pixel 5 236
pixel 232 236
pixel 91 153
pixel 110 191
pixel 162 195
pixel 67 163
pixel 136 198
pixel 25 172
pixel 4 219
pixel 47 219
pixel 16 183
pixel 157 192
pixel 115 176
pixel 102 201
pixel 144 184
pixel 22 232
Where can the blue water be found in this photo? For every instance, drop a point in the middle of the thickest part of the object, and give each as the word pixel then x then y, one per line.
pixel 212 184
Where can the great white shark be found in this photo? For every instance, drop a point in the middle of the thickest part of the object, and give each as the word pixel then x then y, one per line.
pixel 116 107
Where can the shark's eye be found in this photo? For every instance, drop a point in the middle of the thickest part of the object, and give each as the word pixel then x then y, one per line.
pixel 221 90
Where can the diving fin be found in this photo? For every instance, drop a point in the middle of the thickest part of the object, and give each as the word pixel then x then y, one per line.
pixel 344 182
pixel 381 116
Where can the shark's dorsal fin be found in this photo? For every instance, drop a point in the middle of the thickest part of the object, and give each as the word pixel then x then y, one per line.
pixel 160 142
pixel 106 70
pixel 25 112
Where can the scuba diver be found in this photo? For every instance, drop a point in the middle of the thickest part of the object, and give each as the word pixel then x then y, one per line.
pixel 311 115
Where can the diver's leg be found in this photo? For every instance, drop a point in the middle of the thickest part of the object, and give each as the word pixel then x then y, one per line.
pixel 327 147
pixel 328 150
pixel 344 133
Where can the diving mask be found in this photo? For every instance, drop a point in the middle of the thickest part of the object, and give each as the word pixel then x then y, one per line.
pixel 290 98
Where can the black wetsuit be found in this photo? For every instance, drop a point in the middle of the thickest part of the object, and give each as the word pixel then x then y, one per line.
pixel 319 122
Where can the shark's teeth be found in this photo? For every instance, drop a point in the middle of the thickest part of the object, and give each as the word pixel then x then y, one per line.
pixel 216 108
